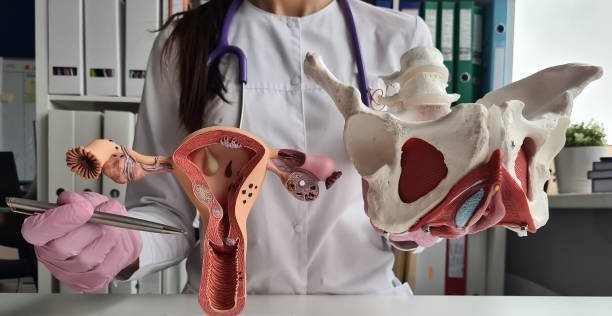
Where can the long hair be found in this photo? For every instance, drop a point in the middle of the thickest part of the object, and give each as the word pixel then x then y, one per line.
pixel 196 33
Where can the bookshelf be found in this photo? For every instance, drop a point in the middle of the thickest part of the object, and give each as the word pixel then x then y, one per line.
pixel 81 99
pixel 494 243
pixel 94 103
pixel 46 102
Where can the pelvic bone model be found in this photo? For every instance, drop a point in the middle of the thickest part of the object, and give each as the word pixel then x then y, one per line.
pixel 433 171
pixel 221 169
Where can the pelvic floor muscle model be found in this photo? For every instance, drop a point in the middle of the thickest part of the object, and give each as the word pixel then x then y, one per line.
pixel 222 170
pixel 431 171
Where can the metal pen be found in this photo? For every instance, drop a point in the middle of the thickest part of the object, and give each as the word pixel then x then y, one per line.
pixel 32 207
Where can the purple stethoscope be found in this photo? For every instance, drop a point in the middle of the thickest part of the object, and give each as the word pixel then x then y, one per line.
pixel 224 48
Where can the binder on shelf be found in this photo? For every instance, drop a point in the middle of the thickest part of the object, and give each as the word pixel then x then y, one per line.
pixel 61 139
pixel 456 266
pixel 476 270
pixel 494 45
pixel 170 7
pixel 179 6
pixel 87 128
pixel 446 39
pixel 477 50
pixel 142 17
pixel 410 7
pixel 123 287
pixel 399 264
pixel 430 16
pixel 429 270
pixel 103 47
pixel 384 3
pixel 464 68
pixel 174 278
pixel 150 284
pixel 118 126
pixel 68 129
pixel 66 75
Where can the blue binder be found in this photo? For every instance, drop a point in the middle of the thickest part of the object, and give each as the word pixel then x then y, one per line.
pixel 410 7
pixel 383 3
pixel 494 46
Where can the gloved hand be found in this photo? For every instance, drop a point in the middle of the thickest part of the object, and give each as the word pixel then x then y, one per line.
pixel 84 256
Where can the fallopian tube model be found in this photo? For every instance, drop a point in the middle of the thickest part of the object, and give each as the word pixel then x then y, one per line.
pixel 431 171
pixel 221 169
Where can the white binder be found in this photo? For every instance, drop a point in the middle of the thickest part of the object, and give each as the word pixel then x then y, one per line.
pixel 127 287
pixel 142 17
pixel 66 47
pixel 476 282
pixel 150 283
pixel 170 7
pixel 174 278
pixel 68 129
pixel 430 271
pixel 88 127
pixel 103 47
pixel 61 139
pixel 119 127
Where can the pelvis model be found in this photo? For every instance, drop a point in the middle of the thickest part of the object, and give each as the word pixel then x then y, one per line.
pixel 222 170
pixel 431 171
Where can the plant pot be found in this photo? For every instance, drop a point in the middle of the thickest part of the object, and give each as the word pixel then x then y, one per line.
pixel 572 165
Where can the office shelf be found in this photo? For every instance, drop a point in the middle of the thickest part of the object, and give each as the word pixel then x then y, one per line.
pixel 46 102
pixel 580 201
pixel 92 99
pixel 93 103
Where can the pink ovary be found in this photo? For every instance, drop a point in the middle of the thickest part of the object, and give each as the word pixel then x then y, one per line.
pixel 303 185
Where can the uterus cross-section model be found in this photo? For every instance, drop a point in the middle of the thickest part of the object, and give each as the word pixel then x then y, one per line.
pixel 222 170
pixel 431 171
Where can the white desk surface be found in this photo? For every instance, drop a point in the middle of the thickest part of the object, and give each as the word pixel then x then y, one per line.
pixel 186 305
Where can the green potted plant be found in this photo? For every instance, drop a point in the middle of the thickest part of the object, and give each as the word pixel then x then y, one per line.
pixel 584 143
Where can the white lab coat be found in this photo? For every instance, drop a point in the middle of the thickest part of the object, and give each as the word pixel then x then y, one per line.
pixel 294 247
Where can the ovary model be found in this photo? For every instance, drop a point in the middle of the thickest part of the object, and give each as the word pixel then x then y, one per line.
pixel 221 169
pixel 431 171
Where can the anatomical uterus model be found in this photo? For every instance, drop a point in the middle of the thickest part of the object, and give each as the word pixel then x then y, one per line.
pixel 222 170
pixel 431 171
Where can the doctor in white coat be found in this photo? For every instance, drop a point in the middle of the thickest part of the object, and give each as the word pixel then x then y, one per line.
pixel 327 246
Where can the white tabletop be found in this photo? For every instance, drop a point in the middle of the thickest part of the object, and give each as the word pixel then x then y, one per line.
pixel 186 305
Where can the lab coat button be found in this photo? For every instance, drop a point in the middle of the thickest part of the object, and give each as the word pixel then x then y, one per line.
pixel 295 81
pixel 298 228
pixel 291 23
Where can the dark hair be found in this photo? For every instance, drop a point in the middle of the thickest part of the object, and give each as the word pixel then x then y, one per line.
pixel 196 33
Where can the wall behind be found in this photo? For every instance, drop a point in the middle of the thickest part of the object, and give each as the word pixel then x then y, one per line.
pixel 552 32
pixel 17 29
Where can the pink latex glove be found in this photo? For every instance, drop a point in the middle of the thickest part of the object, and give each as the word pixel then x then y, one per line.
pixel 84 256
